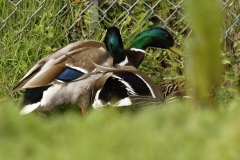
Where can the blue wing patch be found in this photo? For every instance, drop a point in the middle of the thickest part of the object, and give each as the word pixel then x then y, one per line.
pixel 69 74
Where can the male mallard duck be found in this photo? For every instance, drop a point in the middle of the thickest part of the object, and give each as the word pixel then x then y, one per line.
pixel 124 87
pixel 119 84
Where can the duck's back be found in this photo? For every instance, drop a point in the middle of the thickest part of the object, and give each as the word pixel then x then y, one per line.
pixel 76 55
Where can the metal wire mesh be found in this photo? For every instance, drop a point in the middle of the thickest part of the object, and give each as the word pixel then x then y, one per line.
pixel 102 13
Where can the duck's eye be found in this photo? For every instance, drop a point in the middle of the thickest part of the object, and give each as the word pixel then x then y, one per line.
pixel 166 36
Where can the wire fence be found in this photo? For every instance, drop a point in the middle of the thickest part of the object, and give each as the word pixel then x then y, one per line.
pixel 32 29
pixel 113 12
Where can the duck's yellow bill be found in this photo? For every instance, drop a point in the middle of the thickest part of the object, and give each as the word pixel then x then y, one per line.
pixel 176 50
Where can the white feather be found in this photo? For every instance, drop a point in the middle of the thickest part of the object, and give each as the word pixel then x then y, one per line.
pixel 77 68
pixel 127 85
pixel 123 102
pixel 137 50
pixel 187 97
pixel 97 102
pixel 123 63
pixel 29 108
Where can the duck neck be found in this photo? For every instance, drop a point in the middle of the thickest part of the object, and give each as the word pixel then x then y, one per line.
pixel 118 54
pixel 114 44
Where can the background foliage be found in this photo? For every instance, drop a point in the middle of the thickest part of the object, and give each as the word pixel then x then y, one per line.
pixel 31 30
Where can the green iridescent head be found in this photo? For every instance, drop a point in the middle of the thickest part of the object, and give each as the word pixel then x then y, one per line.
pixel 155 37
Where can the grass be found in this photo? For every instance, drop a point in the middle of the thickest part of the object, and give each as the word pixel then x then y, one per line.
pixel 171 131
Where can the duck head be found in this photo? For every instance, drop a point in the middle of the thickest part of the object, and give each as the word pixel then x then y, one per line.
pixel 153 37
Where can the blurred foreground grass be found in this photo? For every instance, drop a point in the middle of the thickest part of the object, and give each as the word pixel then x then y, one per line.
pixel 169 132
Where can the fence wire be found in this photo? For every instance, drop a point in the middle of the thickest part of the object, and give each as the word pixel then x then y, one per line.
pixel 100 13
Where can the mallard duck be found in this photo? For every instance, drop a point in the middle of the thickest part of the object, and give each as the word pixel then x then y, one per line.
pixel 119 86
pixel 122 88
pixel 67 75
pixel 64 77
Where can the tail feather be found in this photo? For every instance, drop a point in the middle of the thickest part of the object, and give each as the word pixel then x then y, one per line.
pixel 29 108
pixel 144 101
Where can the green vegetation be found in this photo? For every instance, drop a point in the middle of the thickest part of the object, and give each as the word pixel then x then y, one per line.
pixel 171 131
pixel 203 63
